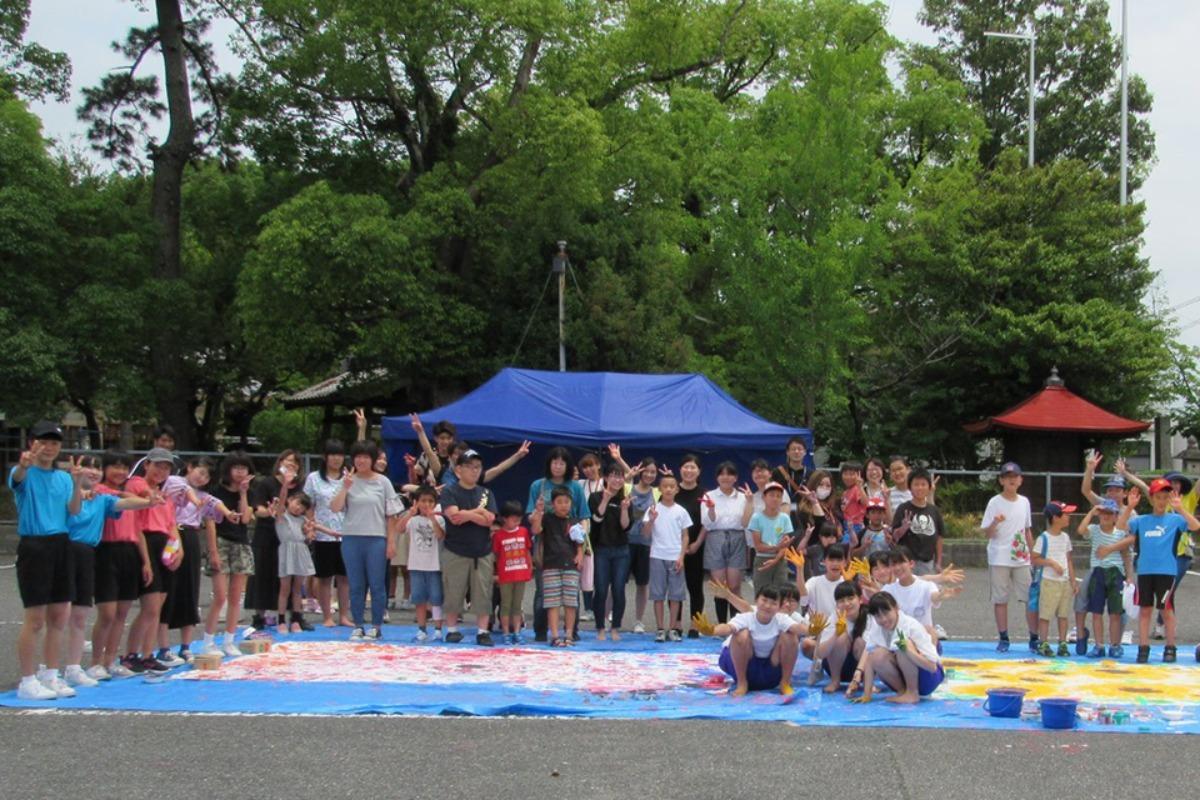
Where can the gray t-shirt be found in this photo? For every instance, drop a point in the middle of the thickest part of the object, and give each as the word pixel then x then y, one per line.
pixel 368 505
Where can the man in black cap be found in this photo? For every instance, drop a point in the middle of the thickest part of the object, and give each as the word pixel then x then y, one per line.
pixel 45 496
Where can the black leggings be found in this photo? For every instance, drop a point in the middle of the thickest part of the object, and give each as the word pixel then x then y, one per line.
pixel 693 574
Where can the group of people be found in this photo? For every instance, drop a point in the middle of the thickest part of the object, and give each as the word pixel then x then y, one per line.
pixel 848 576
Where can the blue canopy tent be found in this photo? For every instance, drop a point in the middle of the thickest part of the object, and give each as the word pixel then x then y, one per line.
pixel 664 416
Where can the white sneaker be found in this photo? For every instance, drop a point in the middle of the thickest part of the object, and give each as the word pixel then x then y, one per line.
pixel 119 670
pixel 169 659
pixel 421 636
pixel 32 689
pixel 437 635
pixel 1159 631
pixel 1073 635
pixel 406 605
pixel 97 672
pixel 208 648
pixel 56 684
pixel 941 632
pixel 638 627
pixel 586 616
pixel 357 635
pixel 75 676
pixel 230 649
pixel 1127 637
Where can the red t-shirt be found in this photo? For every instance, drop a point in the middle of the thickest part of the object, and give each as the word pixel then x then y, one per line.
pixel 514 559
pixel 126 527
pixel 854 505
pixel 161 518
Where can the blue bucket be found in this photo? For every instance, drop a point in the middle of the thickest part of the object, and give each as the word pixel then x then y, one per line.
pixel 1058 712
pixel 1004 702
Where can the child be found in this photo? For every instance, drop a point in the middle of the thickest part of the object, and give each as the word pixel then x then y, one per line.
pixel 853 502
pixel 1107 581
pixel 760 648
pixel 817 592
pixel 425 531
pixel 1052 556
pixel 230 559
pixel 814 554
pixel 898 470
pixel 45 497
pixel 86 529
pixel 918 525
pixel 1157 537
pixel 1008 525
pixel 295 531
pixel 874 485
pixel 642 495
pixel 467 562
pixel 770 531
pixel 874 537
pixel 841 644
pixel 559 556
pixel 668 522
pixel 915 596
pixel 725 515
pixel 513 546
pixel 899 652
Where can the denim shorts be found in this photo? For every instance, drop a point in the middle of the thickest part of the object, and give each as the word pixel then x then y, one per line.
pixel 425 587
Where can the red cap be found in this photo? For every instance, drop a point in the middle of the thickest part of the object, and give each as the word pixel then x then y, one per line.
pixel 876 502
pixel 1160 485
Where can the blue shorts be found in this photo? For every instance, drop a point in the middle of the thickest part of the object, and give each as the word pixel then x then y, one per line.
pixel 425 587
pixel 848 668
pixel 927 681
pixel 760 672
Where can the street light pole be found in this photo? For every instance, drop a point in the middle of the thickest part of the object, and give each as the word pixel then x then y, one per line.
pixel 559 268
pixel 1124 102
pixel 1030 37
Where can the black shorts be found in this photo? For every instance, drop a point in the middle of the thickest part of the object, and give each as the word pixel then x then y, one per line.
pixel 848 668
pixel 639 564
pixel 83 564
pixel 162 577
pixel 44 572
pixel 327 559
pixel 1152 590
pixel 118 572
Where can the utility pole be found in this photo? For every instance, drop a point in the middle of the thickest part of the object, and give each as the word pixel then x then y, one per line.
pixel 559 268
pixel 1030 37
pixel 1124 102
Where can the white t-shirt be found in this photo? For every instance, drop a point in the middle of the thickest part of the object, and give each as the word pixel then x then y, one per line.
pixel 916 600
pixel 666 539
pixel 424 550
pixel 730 509
pixel 820 595
pixel 763 636
pixel 1058 548
pixel 1007 548
pixel 914 632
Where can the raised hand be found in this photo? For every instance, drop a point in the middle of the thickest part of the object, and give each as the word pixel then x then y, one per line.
pixel 652 514
pixel 708 501
pixel 348 481
pixel 1135 497
pixel 1094 460
pixel 794 558
pixel 28 457
pixel 540 506
pixel 703 624
pixel 626 502
pixel 1120 466
pixel 663 469
pixel 244 485
pixel 413 419
pixel 76 468
pixel 614 451
pixel 410 460
pixel 720 589
pixel 952 574
pixel 746 491
pixel 840 626
pixel 817 623
pixel 1176 501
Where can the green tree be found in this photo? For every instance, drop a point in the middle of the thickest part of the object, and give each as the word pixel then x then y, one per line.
pixel 1078 62
pixel 27 68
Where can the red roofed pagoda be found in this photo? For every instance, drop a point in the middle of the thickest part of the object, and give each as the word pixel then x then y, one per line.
pixel 1050 431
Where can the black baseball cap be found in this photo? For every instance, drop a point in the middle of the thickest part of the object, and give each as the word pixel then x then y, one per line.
pixel 46 430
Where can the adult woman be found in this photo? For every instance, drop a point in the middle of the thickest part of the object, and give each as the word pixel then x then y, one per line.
pixel 321 485
pixel 262 588
pixel 591 482
pixel 875 487
pixel 557 473
pixel 370 504
pixel 688 497
pixel 610 546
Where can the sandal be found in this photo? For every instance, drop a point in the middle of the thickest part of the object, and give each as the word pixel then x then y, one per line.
pixel 558 643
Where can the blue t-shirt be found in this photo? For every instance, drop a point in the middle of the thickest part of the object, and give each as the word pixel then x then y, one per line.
pixel 770 529
pixel 87 526
pixel 1157 537
pixel 543 487
pixel 42 500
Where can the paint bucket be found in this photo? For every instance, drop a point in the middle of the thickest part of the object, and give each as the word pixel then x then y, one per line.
pixel 1004 702
pixel 1058 712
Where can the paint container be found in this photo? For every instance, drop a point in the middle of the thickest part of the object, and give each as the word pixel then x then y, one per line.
pixel 1004 702
pixel 1058 713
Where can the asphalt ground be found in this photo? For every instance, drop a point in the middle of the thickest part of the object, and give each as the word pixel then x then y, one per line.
pixel 128 756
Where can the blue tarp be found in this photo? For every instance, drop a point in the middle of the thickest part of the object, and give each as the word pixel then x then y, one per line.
pixel 399 682
pixel 660 415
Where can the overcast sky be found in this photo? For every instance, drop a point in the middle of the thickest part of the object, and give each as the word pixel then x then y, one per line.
pixel 1163 49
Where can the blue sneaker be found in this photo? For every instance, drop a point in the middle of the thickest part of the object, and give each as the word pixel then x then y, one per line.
pixel 1116 651
pixel 1097 651
pixel 1081 643
pixel 1002 646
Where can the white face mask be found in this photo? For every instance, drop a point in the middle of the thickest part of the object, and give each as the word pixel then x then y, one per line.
pixel 823 492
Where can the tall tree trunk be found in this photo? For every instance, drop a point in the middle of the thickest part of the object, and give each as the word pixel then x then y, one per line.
pixel 172 391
